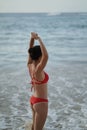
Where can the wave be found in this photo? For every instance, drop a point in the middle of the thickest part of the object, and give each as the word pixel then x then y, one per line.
pixel 53 13
pixel 80 26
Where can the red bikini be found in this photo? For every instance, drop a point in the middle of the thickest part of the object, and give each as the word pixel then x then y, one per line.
pixel 45 80
pixel 34 81
pixel 34 100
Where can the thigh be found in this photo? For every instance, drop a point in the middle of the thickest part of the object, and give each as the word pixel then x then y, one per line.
pixel 41 110
pixel 41 107
pixel 33 117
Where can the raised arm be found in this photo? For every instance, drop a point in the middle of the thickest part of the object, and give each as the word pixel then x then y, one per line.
pixel 44 57
pixel 31 44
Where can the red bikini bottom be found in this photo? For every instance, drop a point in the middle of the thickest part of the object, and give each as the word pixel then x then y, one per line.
pixel 34 100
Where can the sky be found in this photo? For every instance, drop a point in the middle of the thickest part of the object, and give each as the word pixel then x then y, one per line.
pixel 43 6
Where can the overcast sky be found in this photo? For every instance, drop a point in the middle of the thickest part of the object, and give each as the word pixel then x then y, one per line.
pixel 43 5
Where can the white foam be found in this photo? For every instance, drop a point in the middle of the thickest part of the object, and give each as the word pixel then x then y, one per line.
pixel 28 126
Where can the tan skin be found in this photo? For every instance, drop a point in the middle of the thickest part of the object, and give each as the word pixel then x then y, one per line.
pixel 39 110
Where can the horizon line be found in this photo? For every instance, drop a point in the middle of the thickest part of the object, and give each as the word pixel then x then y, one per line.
pixel 49 12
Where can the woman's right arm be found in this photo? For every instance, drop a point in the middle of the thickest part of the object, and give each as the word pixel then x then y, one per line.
pixel 44 57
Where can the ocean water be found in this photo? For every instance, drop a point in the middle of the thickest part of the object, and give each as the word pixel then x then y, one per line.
pixel 65 37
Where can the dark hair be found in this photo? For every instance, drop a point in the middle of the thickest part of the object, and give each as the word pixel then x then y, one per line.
pixel 35 52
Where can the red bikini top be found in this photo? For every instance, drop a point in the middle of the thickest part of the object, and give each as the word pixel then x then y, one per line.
pixel 45 80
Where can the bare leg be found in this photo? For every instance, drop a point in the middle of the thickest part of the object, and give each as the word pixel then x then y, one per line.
pixel 33 113
pixel 41 110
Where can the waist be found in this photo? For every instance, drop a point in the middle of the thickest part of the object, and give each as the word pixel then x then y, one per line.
pixel 43 93
pixel 40 95
pixel 39 88
pixel 45 98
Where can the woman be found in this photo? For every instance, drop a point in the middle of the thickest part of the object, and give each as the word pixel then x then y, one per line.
pixel 37 61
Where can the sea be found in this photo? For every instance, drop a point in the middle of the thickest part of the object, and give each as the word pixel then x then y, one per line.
pixel 65 37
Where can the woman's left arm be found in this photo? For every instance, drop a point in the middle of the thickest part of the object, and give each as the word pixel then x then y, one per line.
pixel 31 44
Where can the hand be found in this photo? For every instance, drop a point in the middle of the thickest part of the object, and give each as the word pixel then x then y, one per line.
pixel 34 35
